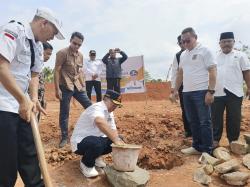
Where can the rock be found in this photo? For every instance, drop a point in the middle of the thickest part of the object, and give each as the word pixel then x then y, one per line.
pixel 236 178
pixel 54 156
pixel 222 153
pixel 227 166
pixel 238 147
pixel 201 177
pixel 246 161
pixel 208 168
pixel 208 159
pixel 137 178
pixel 247 138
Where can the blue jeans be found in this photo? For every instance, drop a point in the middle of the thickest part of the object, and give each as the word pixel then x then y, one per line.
pixel 199 117
pixel 80 96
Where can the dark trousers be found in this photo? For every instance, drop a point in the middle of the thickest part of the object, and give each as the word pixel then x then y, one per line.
pixel 97 87
pixel 18 152
pixel 186 124
pixel 92 147
pixel 80 96
pixel 232 104
pixel 114 84
pixel 199 117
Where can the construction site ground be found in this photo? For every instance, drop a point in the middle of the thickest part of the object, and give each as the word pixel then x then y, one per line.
pixel 147 119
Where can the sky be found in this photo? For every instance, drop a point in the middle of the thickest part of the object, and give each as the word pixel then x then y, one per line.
pixel 139 27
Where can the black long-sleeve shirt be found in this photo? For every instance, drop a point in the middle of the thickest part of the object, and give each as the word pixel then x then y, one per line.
pixel 113 66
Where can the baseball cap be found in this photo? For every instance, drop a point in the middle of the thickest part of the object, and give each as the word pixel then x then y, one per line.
pixel 114 96
pixel 47 14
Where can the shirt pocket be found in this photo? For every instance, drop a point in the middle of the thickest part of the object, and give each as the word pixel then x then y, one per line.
pixel 24 59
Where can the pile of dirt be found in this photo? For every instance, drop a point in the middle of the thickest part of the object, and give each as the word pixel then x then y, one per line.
pixel 155 91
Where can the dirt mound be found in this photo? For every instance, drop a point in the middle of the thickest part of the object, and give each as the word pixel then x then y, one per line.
pixel 155 91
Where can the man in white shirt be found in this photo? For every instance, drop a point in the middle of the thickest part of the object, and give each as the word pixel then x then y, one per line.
pixel 20 64
pixel 93 70
pixel 175 65
pixel 95 131
pixel 233 68
pixel 197 71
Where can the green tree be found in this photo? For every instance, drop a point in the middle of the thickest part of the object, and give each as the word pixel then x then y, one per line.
pixel 147 76
pixel 49 74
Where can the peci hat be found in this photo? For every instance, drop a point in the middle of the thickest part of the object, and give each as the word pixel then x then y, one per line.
pixel 114 96
pixel 49 16
pixel 92 52
pixel 226 35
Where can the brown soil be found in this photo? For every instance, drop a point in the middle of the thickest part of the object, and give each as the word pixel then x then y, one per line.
pixel 147 119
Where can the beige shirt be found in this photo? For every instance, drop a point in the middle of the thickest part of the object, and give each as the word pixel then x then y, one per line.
pixel 72 68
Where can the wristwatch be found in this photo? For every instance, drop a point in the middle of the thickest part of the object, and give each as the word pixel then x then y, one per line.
pixel 211 91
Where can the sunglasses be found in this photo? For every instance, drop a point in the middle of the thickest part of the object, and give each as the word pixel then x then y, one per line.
pixel 186 41
pixel 226 41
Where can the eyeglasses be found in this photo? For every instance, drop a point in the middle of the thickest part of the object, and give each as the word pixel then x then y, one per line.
pixel 186 41
pixel 75 43
pixel 226 41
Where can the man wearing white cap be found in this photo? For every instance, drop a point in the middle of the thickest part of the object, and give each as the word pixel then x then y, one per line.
pixel 20 63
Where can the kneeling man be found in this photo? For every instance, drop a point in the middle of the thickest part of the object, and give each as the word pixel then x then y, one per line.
pixel 95 131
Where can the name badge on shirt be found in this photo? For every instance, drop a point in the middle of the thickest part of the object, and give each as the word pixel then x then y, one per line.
pixel 194 57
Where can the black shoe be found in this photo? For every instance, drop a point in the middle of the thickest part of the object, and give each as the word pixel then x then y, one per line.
pixel 63 143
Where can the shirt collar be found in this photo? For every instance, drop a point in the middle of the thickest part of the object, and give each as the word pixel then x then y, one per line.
pixel 71 52
pixel 28 32
pixel 232 52
pixel 104 106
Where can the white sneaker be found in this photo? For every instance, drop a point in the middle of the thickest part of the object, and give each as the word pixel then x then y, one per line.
pixel 100 163
pixel 190 151
pixel 88 172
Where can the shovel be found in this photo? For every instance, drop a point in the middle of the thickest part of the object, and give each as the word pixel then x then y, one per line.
pixel 40 151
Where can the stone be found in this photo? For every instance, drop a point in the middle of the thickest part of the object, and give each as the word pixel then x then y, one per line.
pixel 247 138
pixel 238 147
pixel 208 168
pixel 246 161
pixel 222 153
pixel 201 177
pixel 236 178
pixel 227 166
pixel 138 178
pixel 208 159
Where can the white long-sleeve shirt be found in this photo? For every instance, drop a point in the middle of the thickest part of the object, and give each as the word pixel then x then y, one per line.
pixel 93 68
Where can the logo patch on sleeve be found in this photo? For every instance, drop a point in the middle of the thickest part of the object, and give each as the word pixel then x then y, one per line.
pixel 10 34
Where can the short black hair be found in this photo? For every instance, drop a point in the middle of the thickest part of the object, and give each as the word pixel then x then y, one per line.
pixel 190 30
pixel 78 35
pixel 179 39
pixel 47 45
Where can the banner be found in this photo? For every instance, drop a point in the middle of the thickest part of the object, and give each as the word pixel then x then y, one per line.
pixel 132 76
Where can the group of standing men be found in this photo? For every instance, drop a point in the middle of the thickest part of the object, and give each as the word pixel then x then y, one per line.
pixel 206 87
pixel 70 72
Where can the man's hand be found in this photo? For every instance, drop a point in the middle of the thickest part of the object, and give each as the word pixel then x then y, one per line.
pixel 119 141
pixel 94 76
pixel 174 96
pixel 40 108
pixel 59 94
pixel 248 93
pixel 209 98
pixel 25 109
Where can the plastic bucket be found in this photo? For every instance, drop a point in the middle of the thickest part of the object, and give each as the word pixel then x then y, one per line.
pixel 125 156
